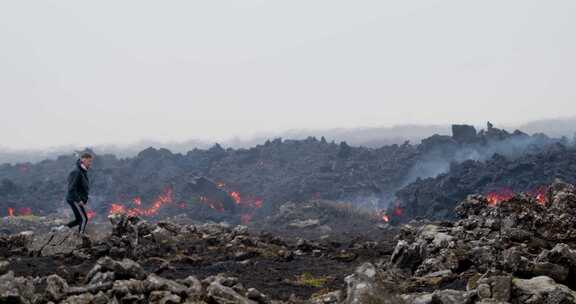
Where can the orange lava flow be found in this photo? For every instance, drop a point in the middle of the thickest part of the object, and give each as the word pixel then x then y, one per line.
pixel 496 197
pixel 138 210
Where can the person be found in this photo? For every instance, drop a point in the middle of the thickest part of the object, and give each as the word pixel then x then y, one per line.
pixel 77 195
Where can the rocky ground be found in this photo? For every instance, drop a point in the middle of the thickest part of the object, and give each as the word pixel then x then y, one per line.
pixel 520 250
pixel 165 262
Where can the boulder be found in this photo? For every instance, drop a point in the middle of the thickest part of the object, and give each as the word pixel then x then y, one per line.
pixel 541 289
pixel 417 298
pixel 448 296
pixel 125 269
pixel 255 295
pixel 163 297
pixel 407 256
pixel 225 295
pixel 15 289
pixel 86 298
pixel 361 284
pixel 557 272
pixel 563 255
pixel 155 283
pixel 4 265
pixel 497 288
pixel 194 287
pixel 464 133
pixel 123 288
pixel 56 288
pixel 56 243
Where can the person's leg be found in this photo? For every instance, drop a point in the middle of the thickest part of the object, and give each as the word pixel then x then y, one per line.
pixel 77 216
pixel 84 219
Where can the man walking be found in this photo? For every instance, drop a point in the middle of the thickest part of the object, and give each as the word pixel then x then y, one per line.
pixel 78 189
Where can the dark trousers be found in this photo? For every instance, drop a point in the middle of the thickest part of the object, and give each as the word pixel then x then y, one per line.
pixel 81 219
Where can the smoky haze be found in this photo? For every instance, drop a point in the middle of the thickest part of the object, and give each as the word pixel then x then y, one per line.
pixel 77 73
pixel 369 137
pixel 375 137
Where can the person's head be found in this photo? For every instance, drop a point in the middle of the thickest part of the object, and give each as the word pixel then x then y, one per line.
pixel 86 160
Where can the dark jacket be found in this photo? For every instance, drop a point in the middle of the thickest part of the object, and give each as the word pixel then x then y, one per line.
pixel 78 185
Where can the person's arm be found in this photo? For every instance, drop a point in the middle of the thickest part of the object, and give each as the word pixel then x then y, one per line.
pixel 86 185
pixel 73 185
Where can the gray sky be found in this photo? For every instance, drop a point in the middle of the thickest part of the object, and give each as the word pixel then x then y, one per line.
pixel 93 72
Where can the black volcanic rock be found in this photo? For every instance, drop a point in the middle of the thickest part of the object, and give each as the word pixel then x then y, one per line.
pixel 274 173
pixel 464 133
pixel 520 250
pixel 437 197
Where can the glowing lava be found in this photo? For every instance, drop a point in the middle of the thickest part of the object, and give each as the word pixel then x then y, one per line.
pixel 138 210
pixel 23 211
pixel 236 197
pixel 496 197
pixel 540 195
pixel 385 218
pixel 247 204
pixel 136 207
pixel 117 208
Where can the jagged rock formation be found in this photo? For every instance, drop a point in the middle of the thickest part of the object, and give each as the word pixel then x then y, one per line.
pixel 437 197
pixel 519 251
pixel 275 172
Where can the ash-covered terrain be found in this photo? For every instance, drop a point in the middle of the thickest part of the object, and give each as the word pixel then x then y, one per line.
pixel 471 217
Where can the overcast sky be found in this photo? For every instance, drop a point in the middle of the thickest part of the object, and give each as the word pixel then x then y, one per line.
pixel 94 72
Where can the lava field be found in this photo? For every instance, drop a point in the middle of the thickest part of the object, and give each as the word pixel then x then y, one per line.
pixel 475 217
